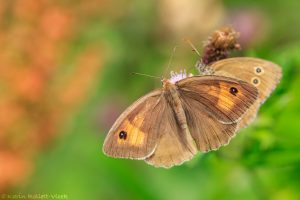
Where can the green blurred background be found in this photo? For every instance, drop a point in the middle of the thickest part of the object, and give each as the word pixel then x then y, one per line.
pixel 65 76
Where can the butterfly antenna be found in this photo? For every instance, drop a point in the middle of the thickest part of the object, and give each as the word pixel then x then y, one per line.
pixel 191 45
pixel 198 65
pixel 170 60
pixel 135 73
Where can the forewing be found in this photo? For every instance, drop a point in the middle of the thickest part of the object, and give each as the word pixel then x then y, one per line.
pixel 140 126
pixel 222 98
pixel 264 75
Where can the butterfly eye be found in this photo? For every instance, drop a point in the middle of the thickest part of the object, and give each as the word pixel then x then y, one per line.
pixel 123 135
pixel 233 91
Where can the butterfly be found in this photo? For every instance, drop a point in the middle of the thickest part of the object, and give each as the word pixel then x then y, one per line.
pixel 263 74
pixel 168 126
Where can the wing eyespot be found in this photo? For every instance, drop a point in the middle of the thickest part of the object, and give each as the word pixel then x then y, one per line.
pixel 259 70
pixel 255 81
pixel 123 135
pixel 233 91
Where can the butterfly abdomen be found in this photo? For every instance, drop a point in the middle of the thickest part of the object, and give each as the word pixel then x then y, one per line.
pixel 172 96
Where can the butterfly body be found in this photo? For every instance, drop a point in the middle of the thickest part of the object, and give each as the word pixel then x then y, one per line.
pixel 172 96
pixel 189 114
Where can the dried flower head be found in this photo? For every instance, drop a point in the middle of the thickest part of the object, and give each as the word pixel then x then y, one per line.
pixel 220 44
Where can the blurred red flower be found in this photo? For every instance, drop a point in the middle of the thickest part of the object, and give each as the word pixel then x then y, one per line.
pixel 36 97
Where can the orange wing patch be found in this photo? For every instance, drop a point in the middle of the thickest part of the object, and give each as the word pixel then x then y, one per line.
pixel 225 101
pixel 135 136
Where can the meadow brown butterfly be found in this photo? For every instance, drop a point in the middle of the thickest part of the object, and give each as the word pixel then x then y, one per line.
pixel 168 126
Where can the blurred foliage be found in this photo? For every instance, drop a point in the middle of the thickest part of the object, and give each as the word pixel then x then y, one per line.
pixel 65 75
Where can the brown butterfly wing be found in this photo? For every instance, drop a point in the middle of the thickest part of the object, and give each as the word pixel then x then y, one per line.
pixel 174 145
pixel 140 126
pixel 264 75
pixel 225 99
pixel 212 109
pixel 208 133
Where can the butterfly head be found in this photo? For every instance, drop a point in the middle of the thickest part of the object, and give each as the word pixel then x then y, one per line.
pixel 166 83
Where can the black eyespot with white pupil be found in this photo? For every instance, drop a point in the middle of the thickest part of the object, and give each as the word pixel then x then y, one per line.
pixel 258 70
pixel 233 91
pixel 122 135
pixel 255 81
